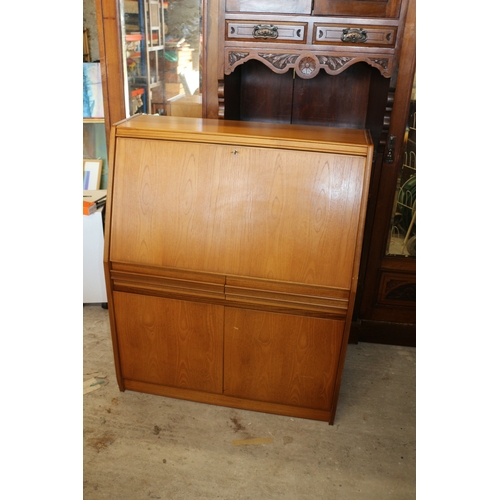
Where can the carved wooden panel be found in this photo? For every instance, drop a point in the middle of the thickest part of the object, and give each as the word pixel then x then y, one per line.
pixel 397 288
pixel 306 64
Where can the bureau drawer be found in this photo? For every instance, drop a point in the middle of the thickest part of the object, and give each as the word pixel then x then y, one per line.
pixel 258 31
pixel 277 6
pixel 342 34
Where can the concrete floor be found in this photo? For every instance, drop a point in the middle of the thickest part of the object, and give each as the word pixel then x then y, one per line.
pixel 138 446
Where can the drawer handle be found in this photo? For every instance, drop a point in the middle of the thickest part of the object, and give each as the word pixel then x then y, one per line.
pixel 265 31
pixel 353 35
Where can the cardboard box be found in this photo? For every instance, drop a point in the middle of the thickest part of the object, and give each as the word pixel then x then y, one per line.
pixel 173 89
pixel 185 105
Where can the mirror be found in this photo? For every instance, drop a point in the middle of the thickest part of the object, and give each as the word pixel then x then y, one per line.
pixel 162 52
pixel 403 234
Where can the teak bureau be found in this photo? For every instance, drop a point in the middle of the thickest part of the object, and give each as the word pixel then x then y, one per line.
pixel 231 259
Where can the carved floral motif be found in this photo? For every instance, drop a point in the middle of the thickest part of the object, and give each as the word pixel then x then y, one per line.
pixel 280 61
pixel 334 62
pixel 384 63
pixel 307 65
pixel 234 57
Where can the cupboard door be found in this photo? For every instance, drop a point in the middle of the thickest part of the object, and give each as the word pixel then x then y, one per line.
pixel 364 8
pixel 281 358
pixel 169 342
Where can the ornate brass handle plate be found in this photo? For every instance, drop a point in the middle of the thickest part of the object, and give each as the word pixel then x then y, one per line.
pixel 265 31
pixel 353 35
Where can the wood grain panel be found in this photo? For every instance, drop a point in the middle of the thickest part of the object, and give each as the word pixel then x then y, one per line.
pixel 280 358
pixel 336 105
pixel 264 95
pixel 240 211
pixel 169 342
pixel 368 8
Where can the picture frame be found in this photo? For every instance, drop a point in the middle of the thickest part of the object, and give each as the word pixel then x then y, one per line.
pixel 92 169
pixel 93 103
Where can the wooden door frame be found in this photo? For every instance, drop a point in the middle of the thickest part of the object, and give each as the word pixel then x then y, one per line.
pixel 113 71
pixel 111 58
pixel 371 322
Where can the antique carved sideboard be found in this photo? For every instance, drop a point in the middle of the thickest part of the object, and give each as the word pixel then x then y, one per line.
pixel 232 252
pixel 298 39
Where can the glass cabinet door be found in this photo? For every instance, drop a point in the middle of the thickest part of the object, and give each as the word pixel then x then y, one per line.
pixel 162 50
pixel 403 230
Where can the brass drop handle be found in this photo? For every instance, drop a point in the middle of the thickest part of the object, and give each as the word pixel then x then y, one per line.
pixel 354 35
pixel 265 31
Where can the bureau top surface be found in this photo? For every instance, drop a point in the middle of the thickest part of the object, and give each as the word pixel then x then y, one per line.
pixel 262 134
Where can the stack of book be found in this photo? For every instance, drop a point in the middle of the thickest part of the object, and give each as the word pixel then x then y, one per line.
pixel 93 201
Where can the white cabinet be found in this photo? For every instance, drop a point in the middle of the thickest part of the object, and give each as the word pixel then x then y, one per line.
pixel 94 285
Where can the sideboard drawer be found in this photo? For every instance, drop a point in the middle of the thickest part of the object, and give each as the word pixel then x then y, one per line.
pixel 342 34
pixel 277 6
pixel 272 32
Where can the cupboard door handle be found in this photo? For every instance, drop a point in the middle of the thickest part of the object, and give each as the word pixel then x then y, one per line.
pixel 265 31
pixel 353 35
